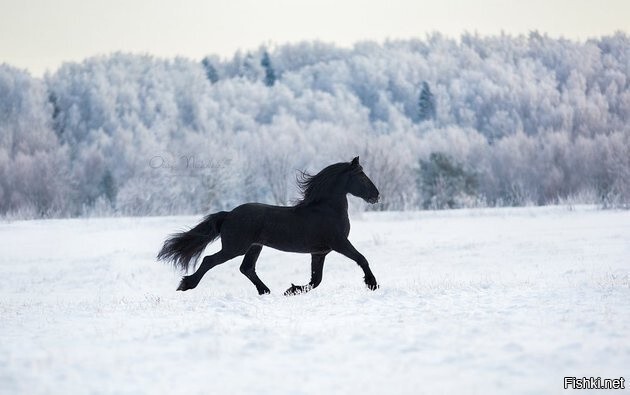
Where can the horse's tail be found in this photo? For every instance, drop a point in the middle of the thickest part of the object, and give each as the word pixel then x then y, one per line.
pixel 186 247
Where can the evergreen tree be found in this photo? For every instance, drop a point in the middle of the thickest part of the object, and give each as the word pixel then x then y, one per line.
pixel 108 187
pixel 444 183
pixel 211 71
pixel 270 74
pixel 426 103
pixel 57 118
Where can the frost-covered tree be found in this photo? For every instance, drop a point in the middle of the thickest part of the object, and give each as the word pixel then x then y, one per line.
pixel 33 165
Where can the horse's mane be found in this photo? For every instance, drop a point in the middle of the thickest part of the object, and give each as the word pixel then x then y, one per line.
pixel 316 187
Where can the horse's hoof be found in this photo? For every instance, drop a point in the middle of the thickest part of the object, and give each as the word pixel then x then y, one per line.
pixel 183 285
pixel 298 289
pixel 372 284
pixel 293 290
pixel 264 291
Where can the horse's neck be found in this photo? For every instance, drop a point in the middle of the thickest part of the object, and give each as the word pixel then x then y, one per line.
pixel 339 203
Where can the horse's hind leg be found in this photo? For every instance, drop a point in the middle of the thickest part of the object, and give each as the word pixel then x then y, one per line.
pixel 210 261
pixel 317 269
pixel 248 268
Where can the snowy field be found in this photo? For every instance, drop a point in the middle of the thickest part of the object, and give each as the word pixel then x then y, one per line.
pixel 471 302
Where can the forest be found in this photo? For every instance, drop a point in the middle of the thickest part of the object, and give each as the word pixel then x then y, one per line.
pixel 438 123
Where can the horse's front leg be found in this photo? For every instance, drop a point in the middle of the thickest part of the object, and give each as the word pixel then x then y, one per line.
pixel 346 248
pixel 317 269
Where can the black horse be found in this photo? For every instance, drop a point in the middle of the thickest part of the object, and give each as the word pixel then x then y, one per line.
pixel 317 224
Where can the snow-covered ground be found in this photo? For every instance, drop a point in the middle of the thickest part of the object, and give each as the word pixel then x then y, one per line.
pixel 472 301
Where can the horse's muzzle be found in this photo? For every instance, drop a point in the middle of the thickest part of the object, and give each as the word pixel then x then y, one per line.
pixel 374 199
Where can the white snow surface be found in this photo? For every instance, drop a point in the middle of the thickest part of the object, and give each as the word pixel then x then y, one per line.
pixel 471 302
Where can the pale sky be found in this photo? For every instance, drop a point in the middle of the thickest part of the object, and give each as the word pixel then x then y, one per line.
pixel 40 35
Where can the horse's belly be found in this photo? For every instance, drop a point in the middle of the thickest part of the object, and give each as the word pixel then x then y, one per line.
pixel 294 240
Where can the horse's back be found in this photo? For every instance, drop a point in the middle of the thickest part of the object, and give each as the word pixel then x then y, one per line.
pixel 253 214
pixel 285 228
pixel 247 220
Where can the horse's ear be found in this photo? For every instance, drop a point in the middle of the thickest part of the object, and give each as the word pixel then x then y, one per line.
pixel 355 161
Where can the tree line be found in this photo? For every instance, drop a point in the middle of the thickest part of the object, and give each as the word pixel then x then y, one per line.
pixel 438 123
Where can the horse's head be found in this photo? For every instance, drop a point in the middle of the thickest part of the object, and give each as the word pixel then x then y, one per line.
pixel 360 185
